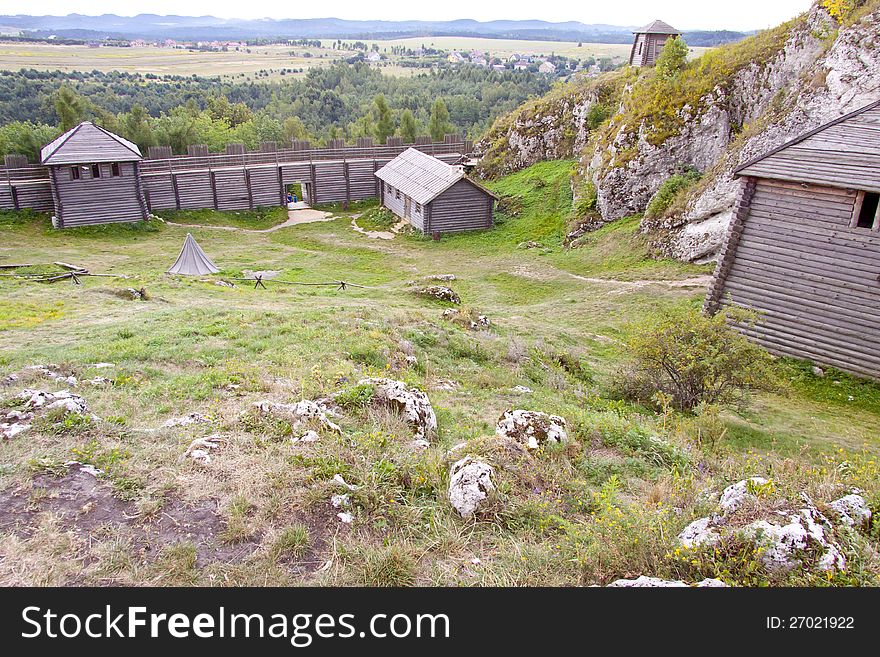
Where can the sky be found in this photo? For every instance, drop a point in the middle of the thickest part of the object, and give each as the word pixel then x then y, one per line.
pixel 683 14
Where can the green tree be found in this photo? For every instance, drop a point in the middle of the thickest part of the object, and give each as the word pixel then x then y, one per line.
pixel 438 126
pixel 136 127
pixel 672 58
pixel 384 122
pixel 25 138
pixel 408 128
pixel 70 107
pixel 294 128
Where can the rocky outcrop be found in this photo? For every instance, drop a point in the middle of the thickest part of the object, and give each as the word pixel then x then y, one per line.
pixel 553 127
pixel 470 484
pixel 783 538
pixel 817 89
pixel 740 102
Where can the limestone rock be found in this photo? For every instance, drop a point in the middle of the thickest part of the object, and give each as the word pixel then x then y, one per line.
pixel 470 484
pixel 440 293
pixel 300 413
pixel 852 510
pixel 699 533
pixel 413 403
pixel 532 429
pixel 785 542
pixel 185 421
pixel 736 494
pixel 655 582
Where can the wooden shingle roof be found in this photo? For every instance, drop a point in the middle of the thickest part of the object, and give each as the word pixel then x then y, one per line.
pixel 657 27
pixel 420 176
pixel 88 143
pixel 843 153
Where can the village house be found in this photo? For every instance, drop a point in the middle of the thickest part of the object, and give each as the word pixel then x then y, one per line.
pixel 434 197
pixel 455 58
pixel 649 42
pixel 803 247
pixel 547 68
pixel 94 177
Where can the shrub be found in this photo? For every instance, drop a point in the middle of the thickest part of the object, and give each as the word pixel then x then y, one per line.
pixel 669 190
pixel 673 57
pixel 690 359
pixel 358 397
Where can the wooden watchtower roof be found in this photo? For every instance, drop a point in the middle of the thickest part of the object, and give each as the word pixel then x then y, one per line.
pixel 658 27
pixel 88 143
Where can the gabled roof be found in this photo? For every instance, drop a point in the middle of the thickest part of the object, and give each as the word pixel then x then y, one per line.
pixel 87 143
pixel 422 177
pixel 657 27
pixel 192 261
pixel 843 153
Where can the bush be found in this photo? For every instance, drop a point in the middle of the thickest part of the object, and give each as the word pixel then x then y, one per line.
pixel 687 359
pixel 669 190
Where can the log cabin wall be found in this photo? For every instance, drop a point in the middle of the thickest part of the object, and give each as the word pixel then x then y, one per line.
pixel 105 198
pixel 811 274
pixel 464 206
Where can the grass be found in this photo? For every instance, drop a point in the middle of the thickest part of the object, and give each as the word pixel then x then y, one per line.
pixel 601 507
pixel 256 219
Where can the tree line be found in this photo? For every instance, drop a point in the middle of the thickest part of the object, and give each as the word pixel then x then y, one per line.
pixel 340 101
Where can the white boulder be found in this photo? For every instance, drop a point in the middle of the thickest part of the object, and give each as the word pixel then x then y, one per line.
pixel 699 533
pixel 413 403
pixel 470 484
pixel 532 429
pixel 852 510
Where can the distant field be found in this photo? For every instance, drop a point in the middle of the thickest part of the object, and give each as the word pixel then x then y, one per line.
pixel 168 61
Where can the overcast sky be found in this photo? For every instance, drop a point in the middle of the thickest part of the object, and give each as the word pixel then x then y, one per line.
pixel 683 14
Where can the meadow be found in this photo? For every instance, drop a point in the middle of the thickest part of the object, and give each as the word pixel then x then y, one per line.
pixel 606 505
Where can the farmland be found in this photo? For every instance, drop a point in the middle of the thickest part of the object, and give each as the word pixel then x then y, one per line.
pixel 271 58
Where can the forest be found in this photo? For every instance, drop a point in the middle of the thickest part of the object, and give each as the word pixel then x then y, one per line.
pixel 343 100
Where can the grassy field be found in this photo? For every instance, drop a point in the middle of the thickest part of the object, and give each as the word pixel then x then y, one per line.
pixel 173 61
pixel 609 504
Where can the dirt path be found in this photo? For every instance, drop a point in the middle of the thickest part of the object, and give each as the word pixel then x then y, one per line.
pixel 294 218
pixel 627 286
pixel 378 234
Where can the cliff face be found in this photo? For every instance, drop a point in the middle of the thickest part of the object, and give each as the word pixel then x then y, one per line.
pixel 553 127
pixel 731 105
pixel 841 79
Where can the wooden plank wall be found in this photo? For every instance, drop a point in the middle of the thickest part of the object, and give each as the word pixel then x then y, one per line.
pixel 189 182
pixel 814 279
pixel 101 200
pixel 461 207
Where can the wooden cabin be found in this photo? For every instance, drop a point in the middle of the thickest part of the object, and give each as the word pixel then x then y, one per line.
pixel 94 177
pixel 803 247
pixel 433 196
pixel 649 42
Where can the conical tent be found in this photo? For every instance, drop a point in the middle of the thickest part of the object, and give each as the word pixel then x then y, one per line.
pixel 192 261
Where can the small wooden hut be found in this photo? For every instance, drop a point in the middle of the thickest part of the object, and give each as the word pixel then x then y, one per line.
pixel 649 42
pixel 94 177
pixel 433 196
pixel 803 247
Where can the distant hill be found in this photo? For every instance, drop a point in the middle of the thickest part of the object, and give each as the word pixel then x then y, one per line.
pixel 151 26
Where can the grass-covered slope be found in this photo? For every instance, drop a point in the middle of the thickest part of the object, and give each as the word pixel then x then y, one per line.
pixel 609 504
